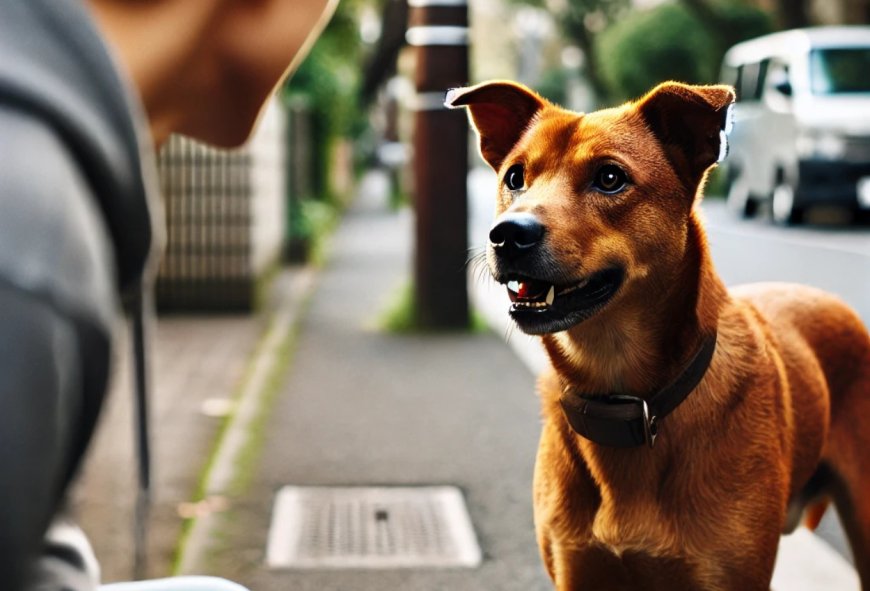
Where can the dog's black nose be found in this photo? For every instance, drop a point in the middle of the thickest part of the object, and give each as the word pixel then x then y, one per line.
pixel 514 233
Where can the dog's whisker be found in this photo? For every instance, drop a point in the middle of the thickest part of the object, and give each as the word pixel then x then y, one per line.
pixel 473 253
pixel 509 332
pixel 477 263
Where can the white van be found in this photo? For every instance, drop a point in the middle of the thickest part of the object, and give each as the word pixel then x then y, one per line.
pixel 802 121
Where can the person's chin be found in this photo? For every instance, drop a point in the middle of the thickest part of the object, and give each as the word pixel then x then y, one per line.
pixel 224 126
pixel 227 134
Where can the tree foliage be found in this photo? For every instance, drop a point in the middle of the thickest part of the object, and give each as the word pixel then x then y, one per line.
pixel 672 42
pixel 328 83
pixel 581 21
pixel 649 47
pixel 329 78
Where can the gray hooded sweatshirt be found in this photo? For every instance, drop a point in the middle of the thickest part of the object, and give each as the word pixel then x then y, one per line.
pixel 76 234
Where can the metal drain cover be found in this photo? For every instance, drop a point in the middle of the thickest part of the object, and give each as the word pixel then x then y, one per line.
pixel 371 527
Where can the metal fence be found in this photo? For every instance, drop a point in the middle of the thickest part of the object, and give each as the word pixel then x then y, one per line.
pixel 225 219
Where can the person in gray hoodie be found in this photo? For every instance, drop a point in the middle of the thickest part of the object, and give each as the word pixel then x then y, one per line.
pixel 87 89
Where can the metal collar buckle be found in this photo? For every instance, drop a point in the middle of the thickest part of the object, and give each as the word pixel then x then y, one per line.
pixel 650 427
pixel 650 422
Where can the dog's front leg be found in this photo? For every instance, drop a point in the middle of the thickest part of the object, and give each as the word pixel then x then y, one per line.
pixel 587 568
pixel 546 548
pixel 563 568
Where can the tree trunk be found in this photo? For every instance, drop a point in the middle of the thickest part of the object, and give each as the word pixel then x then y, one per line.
pixel 793 14
pixel 705 13
pixel 382 64
pixel 585 40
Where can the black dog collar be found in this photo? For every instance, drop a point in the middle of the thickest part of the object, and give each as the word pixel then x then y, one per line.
pixel 619 420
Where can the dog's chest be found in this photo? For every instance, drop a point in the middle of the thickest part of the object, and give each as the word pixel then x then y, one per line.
pixel 642 545
pixel 633 525
pixel 599 568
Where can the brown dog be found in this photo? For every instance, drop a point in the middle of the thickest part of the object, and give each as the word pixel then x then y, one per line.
pixel 755 398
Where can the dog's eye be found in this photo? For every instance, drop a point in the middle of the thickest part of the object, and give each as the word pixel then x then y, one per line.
pixel 514 178
pixel 610 179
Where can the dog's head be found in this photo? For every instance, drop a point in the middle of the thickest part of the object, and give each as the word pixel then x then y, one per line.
pixel 592 208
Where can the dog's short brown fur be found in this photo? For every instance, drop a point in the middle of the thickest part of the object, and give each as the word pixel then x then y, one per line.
pixel 779 421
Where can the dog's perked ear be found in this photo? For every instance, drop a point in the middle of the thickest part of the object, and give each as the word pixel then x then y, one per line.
pixel 500 112
pixel 691 122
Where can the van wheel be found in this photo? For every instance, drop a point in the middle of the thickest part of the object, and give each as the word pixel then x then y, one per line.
pixel 783 208
pixel 738 197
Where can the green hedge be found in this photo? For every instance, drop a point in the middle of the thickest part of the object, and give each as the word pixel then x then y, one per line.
pixel 669 42
pixel 328 82
pixel 325 88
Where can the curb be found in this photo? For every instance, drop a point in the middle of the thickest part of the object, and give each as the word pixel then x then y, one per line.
pixel 237 434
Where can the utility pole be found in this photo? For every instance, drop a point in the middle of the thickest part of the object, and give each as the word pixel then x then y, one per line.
pixel 438 29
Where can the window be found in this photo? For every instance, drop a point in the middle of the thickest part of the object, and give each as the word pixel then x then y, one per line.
pixel 840 70
pixel 731 75
pixel 750 80
pixel 777 78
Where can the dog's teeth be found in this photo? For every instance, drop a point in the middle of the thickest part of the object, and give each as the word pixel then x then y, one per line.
pixel 551 295
pixel 575 287
pixel 514 286
pixel 530 305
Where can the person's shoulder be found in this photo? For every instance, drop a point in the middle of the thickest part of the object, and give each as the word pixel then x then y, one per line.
pixel 53 239
pixel 33 156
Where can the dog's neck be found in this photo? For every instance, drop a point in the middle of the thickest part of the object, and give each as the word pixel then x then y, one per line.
pixel 641 344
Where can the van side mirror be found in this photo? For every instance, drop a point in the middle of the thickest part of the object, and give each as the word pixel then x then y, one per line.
pixel 783 87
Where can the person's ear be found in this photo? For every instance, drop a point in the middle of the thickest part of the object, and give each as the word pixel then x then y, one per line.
pixel 500 113
pixel 691 123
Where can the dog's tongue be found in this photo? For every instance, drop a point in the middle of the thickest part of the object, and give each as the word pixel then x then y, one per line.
pixel 527 289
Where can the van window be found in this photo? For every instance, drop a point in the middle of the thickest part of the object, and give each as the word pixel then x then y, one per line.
pixel 777 74
pixel 750 80
pixel 730 75
pixel 840 70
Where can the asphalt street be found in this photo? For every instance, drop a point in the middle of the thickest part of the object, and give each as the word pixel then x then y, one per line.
pixel 831 256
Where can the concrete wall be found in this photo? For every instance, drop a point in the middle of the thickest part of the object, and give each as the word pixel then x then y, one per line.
pixel 268 188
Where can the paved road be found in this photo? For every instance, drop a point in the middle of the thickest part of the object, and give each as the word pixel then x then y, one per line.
pixel 834 257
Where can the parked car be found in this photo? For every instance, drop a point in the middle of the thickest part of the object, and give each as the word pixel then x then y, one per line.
pixel 802 121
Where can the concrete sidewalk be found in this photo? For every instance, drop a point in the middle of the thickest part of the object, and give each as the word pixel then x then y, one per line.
pixel 198 365
pixel 363 407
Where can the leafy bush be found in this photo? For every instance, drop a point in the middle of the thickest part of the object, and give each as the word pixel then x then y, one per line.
pixel 552 85
pixel 665 43
pixel 670 42
pixel 740 22
pixel 328 82
pixel 323 93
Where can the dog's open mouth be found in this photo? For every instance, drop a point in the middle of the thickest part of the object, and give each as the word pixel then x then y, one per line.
pixel 540 307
